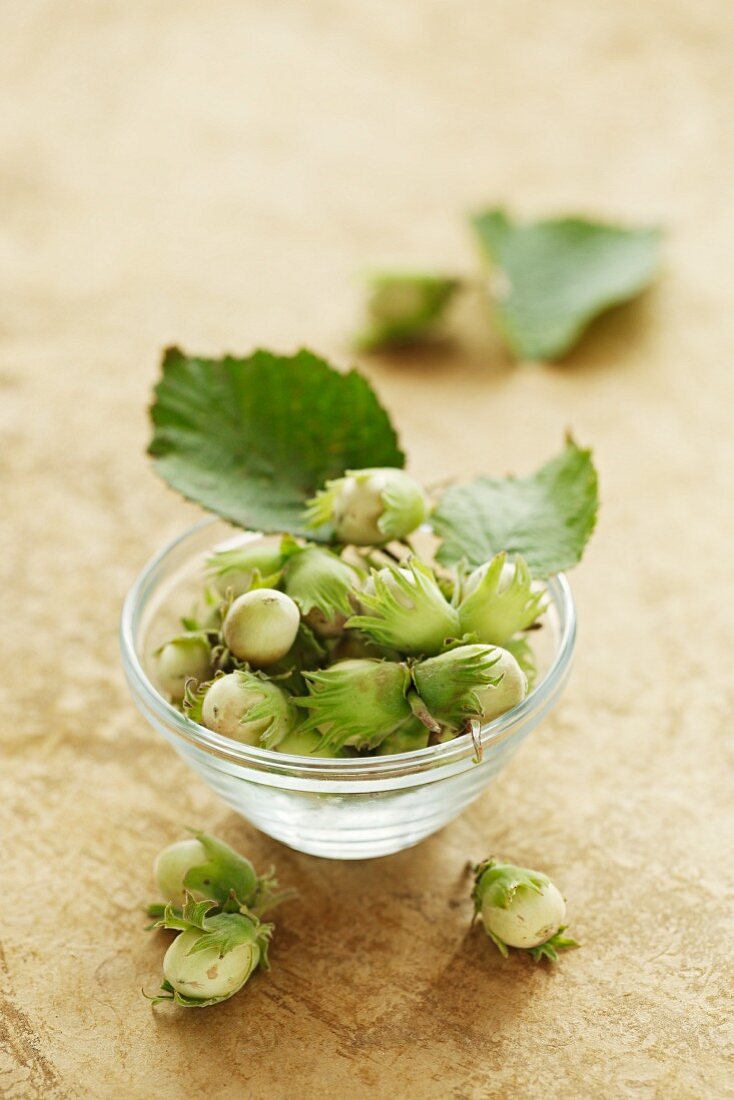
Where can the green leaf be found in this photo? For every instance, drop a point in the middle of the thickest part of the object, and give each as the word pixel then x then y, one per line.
pixel 554 277
pixel 404 307
pixel 547 518
pixel 253 439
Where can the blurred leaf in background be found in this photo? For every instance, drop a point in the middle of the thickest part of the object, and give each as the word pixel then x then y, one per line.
pixel 404 307
pixel 550 279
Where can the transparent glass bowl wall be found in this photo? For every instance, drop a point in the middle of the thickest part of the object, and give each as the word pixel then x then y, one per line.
pixel 340 809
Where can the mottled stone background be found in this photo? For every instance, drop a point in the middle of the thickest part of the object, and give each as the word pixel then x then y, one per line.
pixel 213 174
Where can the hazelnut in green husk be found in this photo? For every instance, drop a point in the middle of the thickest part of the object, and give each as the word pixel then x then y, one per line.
pixel 500 600
pixel 520 908
pixel 404 607
pixel 245 706
pixel 320 582
pixel 253 565
pixel 470 682
pixel 369 507
pixel 186 657
pixel 358 702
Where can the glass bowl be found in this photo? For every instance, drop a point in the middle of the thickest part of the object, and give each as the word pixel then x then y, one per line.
pixel 353 808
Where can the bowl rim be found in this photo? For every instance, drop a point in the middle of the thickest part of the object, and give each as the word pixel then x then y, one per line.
pixel 166 717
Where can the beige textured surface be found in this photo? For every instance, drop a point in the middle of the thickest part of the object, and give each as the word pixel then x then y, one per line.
pixel 212 173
